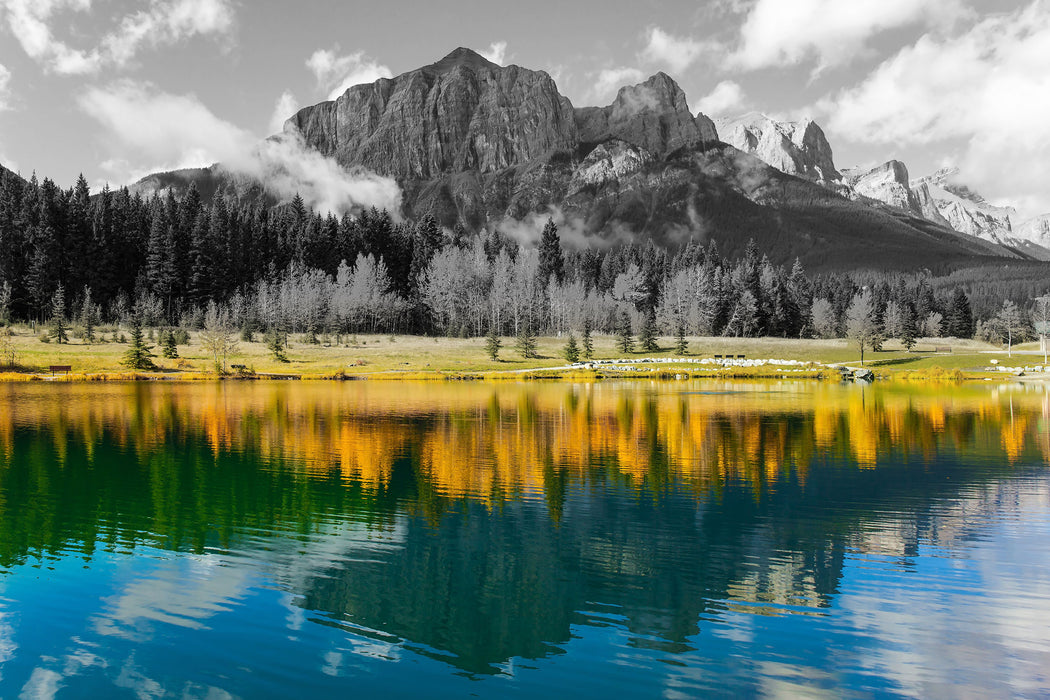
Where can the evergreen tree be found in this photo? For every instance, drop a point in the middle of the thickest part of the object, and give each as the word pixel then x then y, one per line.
pixel 171 348
pixel 909 328
pixel 138 355
pixel 647 338
pixel 493 343
pixel 960 317
pixel 681 345
pixel 89 316
pixel 572 350
pixel 277 343
pixel 526 344
pixel 59 330
pixel 624 339
pixel 588 341
pixel 552 262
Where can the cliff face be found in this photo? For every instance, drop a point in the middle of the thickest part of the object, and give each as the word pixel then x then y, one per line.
pixel 460 114
pixel 653 115
pixel 796 148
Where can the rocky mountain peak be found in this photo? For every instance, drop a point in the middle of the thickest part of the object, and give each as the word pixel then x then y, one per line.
pixel 796 148
pixel 463 113
pixel 460 58
pixel 653 115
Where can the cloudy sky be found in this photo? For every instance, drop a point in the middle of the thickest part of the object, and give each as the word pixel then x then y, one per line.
pixel 119 88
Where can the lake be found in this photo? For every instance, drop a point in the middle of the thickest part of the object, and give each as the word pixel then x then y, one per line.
pixel 635 539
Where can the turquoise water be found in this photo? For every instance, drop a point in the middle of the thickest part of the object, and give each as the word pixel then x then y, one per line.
pixel 636 540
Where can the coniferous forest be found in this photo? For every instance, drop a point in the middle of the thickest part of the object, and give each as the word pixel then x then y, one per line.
pixel 167 261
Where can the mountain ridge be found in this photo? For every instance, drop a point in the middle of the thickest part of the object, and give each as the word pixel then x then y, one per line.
pixel 484 145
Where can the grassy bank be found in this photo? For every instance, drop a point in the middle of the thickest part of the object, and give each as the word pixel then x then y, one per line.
pixel 402 357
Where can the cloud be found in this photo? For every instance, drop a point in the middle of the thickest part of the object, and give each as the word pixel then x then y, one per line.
pixel 335 74
pixel 830 32
pixel 988 87
pixel 286 106
pixel 287 166
pixel 164 23
pixel 727 97
pixel 497 52
pixel 169 131
pixel 167 23
pixel 28 21
pixel 609 80
pixel 154 131
pixel 670 50
pixel 5 92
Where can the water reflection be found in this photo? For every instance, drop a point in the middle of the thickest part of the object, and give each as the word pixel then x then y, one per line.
pixel 481 525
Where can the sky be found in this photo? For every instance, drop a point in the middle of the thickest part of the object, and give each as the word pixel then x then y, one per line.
pixel 116 89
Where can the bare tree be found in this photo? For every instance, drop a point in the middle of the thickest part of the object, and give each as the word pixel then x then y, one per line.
pixel 219 335
pixel 1008 323
pixel 860 322
pixel 824 323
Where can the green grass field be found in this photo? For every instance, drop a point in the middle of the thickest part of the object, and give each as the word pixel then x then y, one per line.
pixel 371 354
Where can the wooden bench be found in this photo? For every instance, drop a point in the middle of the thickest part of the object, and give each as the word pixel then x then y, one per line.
pixel 944 348
pixel 54 369
pixel 240 368
pixel 741 357
pixel 718 357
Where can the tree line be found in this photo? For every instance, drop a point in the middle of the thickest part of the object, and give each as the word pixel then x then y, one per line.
pixel 170 260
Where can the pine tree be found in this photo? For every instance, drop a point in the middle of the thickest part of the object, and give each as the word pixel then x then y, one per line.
pixel 59 330
pixel 681 345
pixel 588 341
pixel 647 338
pixel 89 316
pixel 493 343
pixel 526 345
pixel 960 317
pixel 624 340
pixel 171 348
pixel 552 262
pixel 277 343
pixel 572 350
pixel 138 355
pixel 909 328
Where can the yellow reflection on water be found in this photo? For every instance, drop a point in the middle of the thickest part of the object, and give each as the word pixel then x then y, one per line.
pixel 487 440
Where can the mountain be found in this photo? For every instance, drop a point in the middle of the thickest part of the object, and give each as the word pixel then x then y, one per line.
pixel 488 146
pixel 801 148
pixel 796 148
pixel 889 183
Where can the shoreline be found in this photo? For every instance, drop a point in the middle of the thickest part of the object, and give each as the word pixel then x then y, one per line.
pixel 608 371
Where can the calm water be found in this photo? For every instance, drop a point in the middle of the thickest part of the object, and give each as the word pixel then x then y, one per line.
pixel 636 540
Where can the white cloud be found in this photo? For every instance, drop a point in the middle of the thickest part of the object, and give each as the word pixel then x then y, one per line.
pixel 335 74
pixel 288 167
pixel 497 52
pixel 5 93
pixel 988 87
pixel 164 23
pixel 726 98
pixel 286 106
pixel 678 53
pixel 29 20
pixel 168 23
pixel 608 81
pixel 831 32
pixel 152 131
pixel 169 131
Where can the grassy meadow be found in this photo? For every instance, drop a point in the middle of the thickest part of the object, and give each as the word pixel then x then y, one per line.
pixel 405 355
